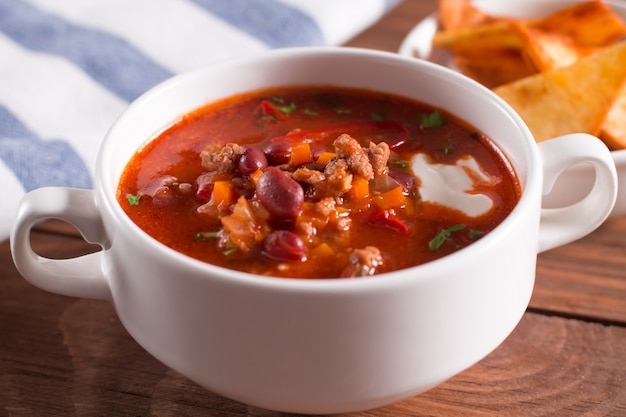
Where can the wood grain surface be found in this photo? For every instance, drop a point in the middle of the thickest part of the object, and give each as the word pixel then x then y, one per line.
pixel 62 356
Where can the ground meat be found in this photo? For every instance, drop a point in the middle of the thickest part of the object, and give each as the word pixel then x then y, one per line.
pixel 244 186
pixel 326 207
pixel 379 157
pixel 325 211
pixel 308 176
pixel 306 230
pixel 221 158
pixel 343 224
pixel 363 262
pixel 338 179
pixel 356 157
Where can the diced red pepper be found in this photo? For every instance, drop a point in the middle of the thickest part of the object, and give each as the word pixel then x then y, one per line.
pixel 395 134
pixel 268 109
pixel 387 218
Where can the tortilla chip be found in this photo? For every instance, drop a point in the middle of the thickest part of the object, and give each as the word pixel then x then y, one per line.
pixel 613 131
pixel 548 50
pixel 592 23
pixel 493 68
pixel 455 14
pixel 546 43
pixel 488 36
pixel 569 99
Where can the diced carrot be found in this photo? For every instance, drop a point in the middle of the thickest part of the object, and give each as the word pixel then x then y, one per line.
pixel 223 195
pixel 390 199
pixel 360 188
pixel 301 154
pixel 324 158
pixel 322 251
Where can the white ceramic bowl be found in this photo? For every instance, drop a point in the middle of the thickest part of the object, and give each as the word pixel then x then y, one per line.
pixel 576 182
pixel 316 346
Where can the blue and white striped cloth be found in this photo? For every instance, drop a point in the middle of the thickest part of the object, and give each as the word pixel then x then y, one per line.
pixel 68 68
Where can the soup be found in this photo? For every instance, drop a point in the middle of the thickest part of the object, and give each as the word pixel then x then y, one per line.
pixel 318 182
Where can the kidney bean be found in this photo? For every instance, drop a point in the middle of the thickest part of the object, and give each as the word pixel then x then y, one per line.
pixel 204 187
pixel 281 195
pixel 317 150
pixel 164 191
pixel 251 160
pixel 278 153
pixel 283 245
pixel 406 180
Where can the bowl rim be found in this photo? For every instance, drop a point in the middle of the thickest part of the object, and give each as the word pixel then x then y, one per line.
pixel 424 272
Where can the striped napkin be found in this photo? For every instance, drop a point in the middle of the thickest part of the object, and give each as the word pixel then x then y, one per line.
pixel 68 68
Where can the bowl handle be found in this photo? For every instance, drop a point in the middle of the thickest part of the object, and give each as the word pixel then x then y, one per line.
pixel 561 225
pixel 82 276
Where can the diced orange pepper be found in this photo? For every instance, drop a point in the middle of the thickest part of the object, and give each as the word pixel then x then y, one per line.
pixel 360 188
pixel 390 199
pixel 223 195
pixel 324 158
pixel 256 175
pixel 301 154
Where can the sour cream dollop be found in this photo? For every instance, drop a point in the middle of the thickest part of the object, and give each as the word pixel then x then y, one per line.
pixel 453 186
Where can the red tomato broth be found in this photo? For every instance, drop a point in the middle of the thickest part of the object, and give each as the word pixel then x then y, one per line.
pixel 402 234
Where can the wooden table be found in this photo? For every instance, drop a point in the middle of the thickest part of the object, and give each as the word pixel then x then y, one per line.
pixel 61 356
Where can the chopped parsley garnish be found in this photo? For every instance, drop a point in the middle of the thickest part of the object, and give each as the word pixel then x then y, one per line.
pixel 230 249
pixel 289 108
pixel 446 233
pixel 206 235
pixel 377 117
pixel 133 200
pixel 311 112
pixel 434 119
pixel 343 111
pixel 447 149
pixel 224 241
pixel 441 237
pixel 401 164
pixel 475 234
pixel 266 117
